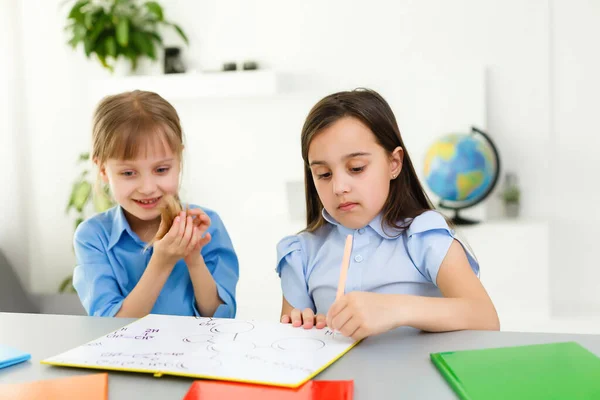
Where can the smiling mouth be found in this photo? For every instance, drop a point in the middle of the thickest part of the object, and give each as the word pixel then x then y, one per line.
pixel 148 201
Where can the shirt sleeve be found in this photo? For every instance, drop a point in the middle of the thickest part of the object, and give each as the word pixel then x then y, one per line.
pixel 94 278
pixel 429 239
pixel 222 263
pixel 291 267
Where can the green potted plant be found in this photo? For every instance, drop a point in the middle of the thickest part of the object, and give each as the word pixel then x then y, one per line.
pixel 115 29
pixel 511 195
pixel 84 197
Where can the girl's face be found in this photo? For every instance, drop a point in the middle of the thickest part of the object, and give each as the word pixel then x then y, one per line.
pixel 352 172
pixel 138 185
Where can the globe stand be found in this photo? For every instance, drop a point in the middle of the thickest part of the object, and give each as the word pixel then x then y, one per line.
pixel 458 220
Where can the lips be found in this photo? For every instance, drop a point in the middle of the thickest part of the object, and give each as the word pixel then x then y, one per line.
pixel 347 206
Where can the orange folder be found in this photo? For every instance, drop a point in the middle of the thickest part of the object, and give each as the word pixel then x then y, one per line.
pixel 89 387
pixel 311 390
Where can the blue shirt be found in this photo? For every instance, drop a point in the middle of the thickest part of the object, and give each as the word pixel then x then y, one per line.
pixel 391 261
pixel 111 260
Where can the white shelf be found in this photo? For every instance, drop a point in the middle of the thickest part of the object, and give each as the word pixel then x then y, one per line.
pixel 191 86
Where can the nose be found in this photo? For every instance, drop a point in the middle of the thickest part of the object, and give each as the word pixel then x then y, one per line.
pixel 340 184
pixel 148 186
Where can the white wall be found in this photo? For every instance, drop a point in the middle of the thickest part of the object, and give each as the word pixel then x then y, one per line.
pixel 56 126
pixel 325 44
pixel 575 107
pixel 13 170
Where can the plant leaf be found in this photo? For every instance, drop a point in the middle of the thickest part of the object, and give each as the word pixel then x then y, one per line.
pixel 79 32
pixel 110 44
pixel 76 13
pixel 81 194
pixel 66 285
pixel 73 42
pixel 156 37
pixel 181 33
pixel 155 9
pixel 88 20
pixel 123 32
pixel 102 59
pixel 102 200
pixel 98 27
pixel 78 221
pixel 88 46
pixel 143 42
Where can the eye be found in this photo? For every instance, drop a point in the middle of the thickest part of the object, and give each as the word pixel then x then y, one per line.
pixel 324 176
pixel 357 169
pixel 162 170
pixel 127 173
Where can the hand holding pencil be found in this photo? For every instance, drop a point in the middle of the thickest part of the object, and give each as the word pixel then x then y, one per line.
pixel 358 314
pixel 307 318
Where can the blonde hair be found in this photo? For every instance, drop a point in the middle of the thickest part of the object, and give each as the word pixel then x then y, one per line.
pixel 126 124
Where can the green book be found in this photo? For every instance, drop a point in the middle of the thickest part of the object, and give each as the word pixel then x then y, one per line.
pixel 543 371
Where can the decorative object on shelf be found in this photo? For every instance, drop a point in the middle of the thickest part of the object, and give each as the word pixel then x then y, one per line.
pixel 173 64
pixel 118 29
pixel 250 65
pixel 229 66
pixel 462 169
pixel 511 194
pixel 82 193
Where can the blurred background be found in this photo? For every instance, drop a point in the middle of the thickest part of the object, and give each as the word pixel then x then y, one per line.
pixel 244 74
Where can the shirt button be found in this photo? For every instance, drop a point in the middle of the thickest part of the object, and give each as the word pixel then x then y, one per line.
pixel 361 231
pixel 358 258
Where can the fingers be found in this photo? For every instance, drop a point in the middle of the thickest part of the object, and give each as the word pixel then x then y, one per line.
pixel 182 224
pixel 187 233
pixel 339 320
pixel 308 316
pixel 204 241
pixel 335 309
pixel 174 230
pixel 305 318
pixel 200 217
pixel 296 317
pixel 350 327
pixel 193 244
pixel 360 333
pixel 321 321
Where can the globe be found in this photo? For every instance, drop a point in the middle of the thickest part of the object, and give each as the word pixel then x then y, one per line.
pixel 462 169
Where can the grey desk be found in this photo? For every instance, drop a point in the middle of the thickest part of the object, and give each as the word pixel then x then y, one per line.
pixel 393 365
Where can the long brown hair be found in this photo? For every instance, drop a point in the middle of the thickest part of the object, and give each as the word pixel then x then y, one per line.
pixel 406 199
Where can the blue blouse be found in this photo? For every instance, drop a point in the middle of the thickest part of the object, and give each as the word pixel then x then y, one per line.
pixel 391 261
pixel 111 260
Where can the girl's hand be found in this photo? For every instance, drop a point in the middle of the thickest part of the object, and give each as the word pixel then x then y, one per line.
pixel 362 314
pixel 179 241
pixel 306 319
pixel 201 223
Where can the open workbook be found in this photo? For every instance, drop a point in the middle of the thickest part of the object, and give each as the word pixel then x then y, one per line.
pixel 268 353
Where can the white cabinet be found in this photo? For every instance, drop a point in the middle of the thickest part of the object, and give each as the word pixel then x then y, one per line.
pixel 513 256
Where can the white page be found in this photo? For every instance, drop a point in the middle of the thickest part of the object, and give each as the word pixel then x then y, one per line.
pixel 229 349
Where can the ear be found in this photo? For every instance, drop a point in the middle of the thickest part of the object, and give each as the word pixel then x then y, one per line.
pixel 101 170
pixel 396 159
